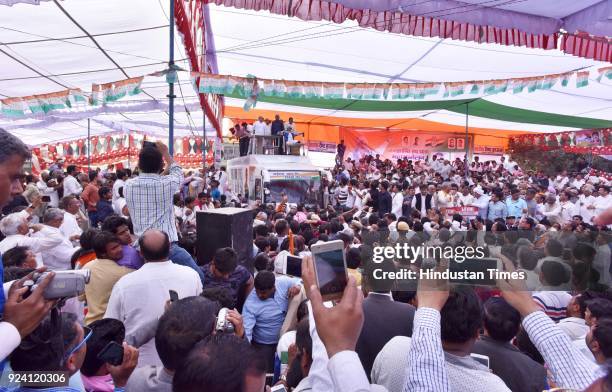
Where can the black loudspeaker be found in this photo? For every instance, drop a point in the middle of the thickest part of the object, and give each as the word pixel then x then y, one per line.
pixel 223 227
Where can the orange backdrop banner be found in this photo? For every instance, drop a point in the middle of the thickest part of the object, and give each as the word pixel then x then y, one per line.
pixel 401 144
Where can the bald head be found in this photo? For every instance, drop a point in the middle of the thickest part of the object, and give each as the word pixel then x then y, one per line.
pixel 154 246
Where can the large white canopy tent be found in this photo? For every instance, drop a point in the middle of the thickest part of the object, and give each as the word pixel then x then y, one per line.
pixel 52 46
pixel 267 45
pixel 55 45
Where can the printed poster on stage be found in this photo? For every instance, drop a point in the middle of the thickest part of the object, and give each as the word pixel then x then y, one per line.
pixel 400 144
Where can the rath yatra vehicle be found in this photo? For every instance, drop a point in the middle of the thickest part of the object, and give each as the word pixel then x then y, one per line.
pixel 266 177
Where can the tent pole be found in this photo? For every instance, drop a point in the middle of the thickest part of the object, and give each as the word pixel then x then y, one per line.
pixel 171 83
pixel 467 145
pixel 88 145
pixel 204 144
pixel 129 146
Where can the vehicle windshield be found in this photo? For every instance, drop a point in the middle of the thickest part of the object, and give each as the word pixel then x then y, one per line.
pixel 302 188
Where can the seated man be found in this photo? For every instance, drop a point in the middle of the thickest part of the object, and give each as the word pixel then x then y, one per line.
pixel 224 271
pixel 461 320
pixel 185 323
pixel 501 324
pixel 15 228
pixel 105 272
pixel 58 257
pixel 265 310
pixel 104 207
pixel 140 297
pixel 118 226
pixel 70 227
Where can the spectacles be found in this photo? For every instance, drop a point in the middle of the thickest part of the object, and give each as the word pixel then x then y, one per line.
pixel 87 332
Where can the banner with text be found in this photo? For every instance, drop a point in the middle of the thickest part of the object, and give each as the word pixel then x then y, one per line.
pixel 391 144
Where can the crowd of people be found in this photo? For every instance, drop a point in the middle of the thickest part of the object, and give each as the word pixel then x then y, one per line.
pixel 239 323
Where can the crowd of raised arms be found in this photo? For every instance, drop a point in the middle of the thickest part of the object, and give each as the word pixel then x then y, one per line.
pixel 224 326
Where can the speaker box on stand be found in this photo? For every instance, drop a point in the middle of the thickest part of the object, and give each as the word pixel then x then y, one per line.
pixel 225 227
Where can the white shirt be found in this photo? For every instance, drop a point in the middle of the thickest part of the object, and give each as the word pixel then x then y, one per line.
pixel 393 360
pixel 10 339
pixel 48 191
pixel 560 182
pixel 601 204
pixel 260 128
pixel 118 184
pixel 443 199
pixel 341 373
pixel 360 198
pixel 552 212
pixel 58 257
pixel 48 240
pixel 568 209
pixel 140 297
pixel 583 203
pixel 70 226
pixel 397 204
pixel 120 204
pixel 576 183
pixel 72 186
pixel 350 199
pixel 466 200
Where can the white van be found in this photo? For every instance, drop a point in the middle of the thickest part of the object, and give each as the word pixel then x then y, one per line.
pixel 266 177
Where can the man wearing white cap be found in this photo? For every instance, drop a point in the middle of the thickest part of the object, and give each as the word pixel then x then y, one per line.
pixel 481 201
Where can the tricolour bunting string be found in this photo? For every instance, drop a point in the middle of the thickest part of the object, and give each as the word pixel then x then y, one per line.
pixel 19 107
pixel 235 85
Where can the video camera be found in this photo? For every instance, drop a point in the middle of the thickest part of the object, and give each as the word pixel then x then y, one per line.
pixel 65 284
pixel 223 324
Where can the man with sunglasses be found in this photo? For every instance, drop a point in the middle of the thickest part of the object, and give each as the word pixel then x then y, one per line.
pixel 59 345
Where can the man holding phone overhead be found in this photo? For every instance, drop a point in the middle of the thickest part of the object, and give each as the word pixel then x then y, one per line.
pixel 149 199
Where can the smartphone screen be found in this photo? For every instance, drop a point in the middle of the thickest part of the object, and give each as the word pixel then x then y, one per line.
pixel 331 273
pixel 294 266
pixel 475 271
pixel 173 296
pixel 483 359
pixel 148 144
pixel 112 353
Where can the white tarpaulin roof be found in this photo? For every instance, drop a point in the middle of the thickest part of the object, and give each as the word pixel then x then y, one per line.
pixel 44 49
pixel 274 46
pixel 71 44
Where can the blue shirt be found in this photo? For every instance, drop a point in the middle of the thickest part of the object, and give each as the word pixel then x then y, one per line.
pixel 263 319
pixel 515 207
pixel 497 210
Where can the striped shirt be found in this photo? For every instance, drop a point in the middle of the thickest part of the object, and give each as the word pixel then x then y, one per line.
pixel 553 303
pixel 568 366
pixel 149 201
pixel 426 364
